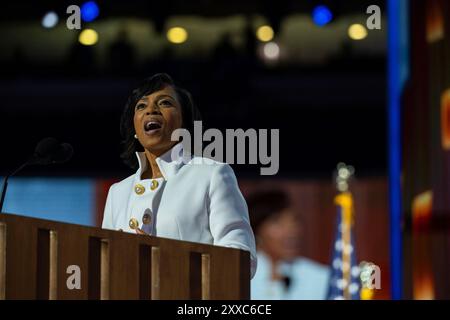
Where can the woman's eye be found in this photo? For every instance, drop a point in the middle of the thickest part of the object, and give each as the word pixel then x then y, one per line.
pixel 140 106
pixel 165 103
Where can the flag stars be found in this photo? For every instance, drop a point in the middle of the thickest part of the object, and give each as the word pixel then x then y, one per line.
pixel 344 280
pixel 355 271
pixel 338 245
pixel 337 263
pixel 341 284
pixel 348 249
pixel 353 288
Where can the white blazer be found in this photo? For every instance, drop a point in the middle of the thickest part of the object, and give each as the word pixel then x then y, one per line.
pixel 200 202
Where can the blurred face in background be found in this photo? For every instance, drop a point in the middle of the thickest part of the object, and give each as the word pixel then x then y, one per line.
pixel 279 236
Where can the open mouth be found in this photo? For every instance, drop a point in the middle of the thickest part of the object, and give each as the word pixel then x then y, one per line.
pixel 152 126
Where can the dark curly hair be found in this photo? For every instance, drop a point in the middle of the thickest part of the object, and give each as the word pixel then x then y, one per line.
pixel 159 81
pixel 263 205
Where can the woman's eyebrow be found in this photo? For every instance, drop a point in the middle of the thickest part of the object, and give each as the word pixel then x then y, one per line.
pixel 164 96
pixel 142 100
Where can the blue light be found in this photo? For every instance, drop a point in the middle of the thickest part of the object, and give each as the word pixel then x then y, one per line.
pixel 50 20
pixel 89 11
pixel 398 62
pixel 322 15
pixel 70 200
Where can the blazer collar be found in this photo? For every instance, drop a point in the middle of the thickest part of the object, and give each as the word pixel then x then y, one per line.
pixel 169 163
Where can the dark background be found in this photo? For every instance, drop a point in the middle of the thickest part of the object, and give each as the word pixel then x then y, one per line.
pixel 328 112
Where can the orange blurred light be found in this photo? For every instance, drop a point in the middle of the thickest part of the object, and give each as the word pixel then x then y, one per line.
pixel 421 209
pixel 422 270
pixel 435 20
pixel 445 120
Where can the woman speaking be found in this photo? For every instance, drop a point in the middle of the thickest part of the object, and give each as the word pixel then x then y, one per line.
pixel 185 200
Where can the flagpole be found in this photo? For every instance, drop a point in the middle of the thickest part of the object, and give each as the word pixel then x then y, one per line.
pixel 345 201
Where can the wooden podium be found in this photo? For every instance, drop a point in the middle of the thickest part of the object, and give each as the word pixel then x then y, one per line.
pixel 42 259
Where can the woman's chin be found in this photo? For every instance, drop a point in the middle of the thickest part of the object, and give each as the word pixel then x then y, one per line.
pixel 152 142
pixel 157 144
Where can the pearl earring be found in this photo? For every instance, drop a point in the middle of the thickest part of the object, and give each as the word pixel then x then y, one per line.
pixel 135 136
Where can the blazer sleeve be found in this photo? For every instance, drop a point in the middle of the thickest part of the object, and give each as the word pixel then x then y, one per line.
pixel 228 214
pixel 108 213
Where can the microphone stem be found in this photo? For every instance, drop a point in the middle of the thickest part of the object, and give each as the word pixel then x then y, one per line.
pixel 5 183
pixel 4 187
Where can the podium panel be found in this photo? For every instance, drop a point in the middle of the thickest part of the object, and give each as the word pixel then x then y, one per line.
pixel 41 259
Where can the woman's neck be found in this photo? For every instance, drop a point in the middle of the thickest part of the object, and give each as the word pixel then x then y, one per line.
pixel 152 170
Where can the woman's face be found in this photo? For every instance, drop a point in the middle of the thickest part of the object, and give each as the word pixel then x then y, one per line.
pixel 156 116
pixel 280 235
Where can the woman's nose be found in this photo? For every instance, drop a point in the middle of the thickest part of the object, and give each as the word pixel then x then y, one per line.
pixel 153 109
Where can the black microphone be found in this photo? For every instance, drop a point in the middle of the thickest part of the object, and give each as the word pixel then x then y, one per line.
pixel 44 151
pixel 63 154
pixel 50 151
pixel 47 151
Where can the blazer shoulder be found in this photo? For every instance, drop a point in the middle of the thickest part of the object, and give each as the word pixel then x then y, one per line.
pixel 208 165
pixel 123 184
pixel 207 169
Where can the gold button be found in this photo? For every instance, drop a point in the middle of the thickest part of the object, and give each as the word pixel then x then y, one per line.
pixel 134 224
pixel 146 218
pixel 154 185
pixel 139 189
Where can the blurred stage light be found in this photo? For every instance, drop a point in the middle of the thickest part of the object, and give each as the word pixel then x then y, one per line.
pixel 322 15
pixel 271 50
pixel 50 20
pixel 177 35
pixel 357 32
pixel 88 37
pixel 265 33
pixel 89 11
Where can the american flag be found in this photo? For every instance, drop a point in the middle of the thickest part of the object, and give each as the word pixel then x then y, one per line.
pixel 345 281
